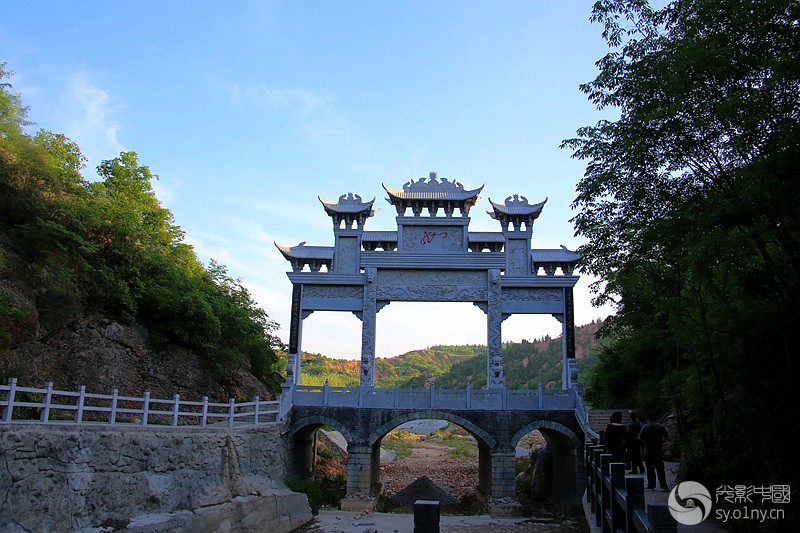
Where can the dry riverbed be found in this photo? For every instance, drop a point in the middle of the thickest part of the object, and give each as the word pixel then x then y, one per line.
pixel 441 465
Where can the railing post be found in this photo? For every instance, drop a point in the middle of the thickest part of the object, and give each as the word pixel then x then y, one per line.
pixel 112 416
pixel 176 402
pixel 433 394
pixel 469 396
pixel 8 412
pixel 396 394
pixel 256 406
pixel 540 396
pixel 286 400
pixel 48 397
pixel 231 412
pixel 204 416
pixel 660 518
pixel 617 509
pixel 598 484
pixel 634 499
pixel 605 489
pixel 145 407
pixel 503 398
pixel 81 399
pixel 326 392
pixel 361 395
pixel 593 456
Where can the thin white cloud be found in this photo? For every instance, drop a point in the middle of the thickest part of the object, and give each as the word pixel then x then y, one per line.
pixel 315 115
pixel 167 190
pixel 91 118
pixel 301 102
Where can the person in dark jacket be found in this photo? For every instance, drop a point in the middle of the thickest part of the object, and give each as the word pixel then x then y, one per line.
pixel 634 457
pixel 615 437
pixel 653 436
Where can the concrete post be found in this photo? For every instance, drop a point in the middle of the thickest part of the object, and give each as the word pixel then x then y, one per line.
pixel 426 516
pixel 660 518
pixel 617 471
pixel 503 474
pixel 359 469
pixel 634 489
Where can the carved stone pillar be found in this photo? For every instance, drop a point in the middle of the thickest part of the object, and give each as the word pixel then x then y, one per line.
pixel 569 336
pixel 368 325
pixel 494 320
pixel 295 334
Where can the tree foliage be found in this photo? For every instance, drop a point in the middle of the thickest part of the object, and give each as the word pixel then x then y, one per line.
pixel 690 206
pixel 109 245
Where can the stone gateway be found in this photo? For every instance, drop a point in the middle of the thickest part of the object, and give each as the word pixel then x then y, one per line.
pixel 431 257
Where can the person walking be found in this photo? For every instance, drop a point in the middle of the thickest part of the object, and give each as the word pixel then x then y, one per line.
pixel 634 457
pixel 653 436
pixel 614 438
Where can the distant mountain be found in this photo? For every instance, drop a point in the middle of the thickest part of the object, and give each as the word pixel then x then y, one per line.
pixel 526 364
pixel 402 369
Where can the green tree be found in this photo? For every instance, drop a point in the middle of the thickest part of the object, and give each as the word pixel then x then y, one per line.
pixel 127 185
pixel 12 113
pixel 690 206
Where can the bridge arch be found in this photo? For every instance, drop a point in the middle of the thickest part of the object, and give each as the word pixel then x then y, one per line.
pixel 485 441
pixel 302 440
pixel 567 453
pixel 547 428
pixel 480 435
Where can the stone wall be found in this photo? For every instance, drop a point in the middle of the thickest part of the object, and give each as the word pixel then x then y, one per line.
pixel 92 478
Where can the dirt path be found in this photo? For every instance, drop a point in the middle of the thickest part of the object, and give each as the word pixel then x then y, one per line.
pixel 456 475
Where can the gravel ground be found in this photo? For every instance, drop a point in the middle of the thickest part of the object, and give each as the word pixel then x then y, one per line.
pixel 456 475
pixel 344 522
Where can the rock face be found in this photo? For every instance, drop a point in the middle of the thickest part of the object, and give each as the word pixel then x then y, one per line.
pixel 103 355
pixel 542 476
pixel 57 479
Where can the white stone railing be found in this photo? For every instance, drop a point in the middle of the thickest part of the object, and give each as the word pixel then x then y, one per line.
pixel 47 405
pixel 582 415
pixel 458 399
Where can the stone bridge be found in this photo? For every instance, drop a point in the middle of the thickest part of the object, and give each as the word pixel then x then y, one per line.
pixel 497 432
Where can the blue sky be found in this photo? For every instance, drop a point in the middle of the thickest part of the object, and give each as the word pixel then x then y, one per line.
pixel 250 110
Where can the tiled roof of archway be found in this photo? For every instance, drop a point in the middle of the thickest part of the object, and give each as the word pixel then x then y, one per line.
pixel 348 203
pixel 516 205
pixel 434 188
pixel 486 236
pixel 562 255
pixel 301 251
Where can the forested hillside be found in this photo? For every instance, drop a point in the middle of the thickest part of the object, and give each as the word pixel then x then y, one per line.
pixel 526 365
pixel 97 284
